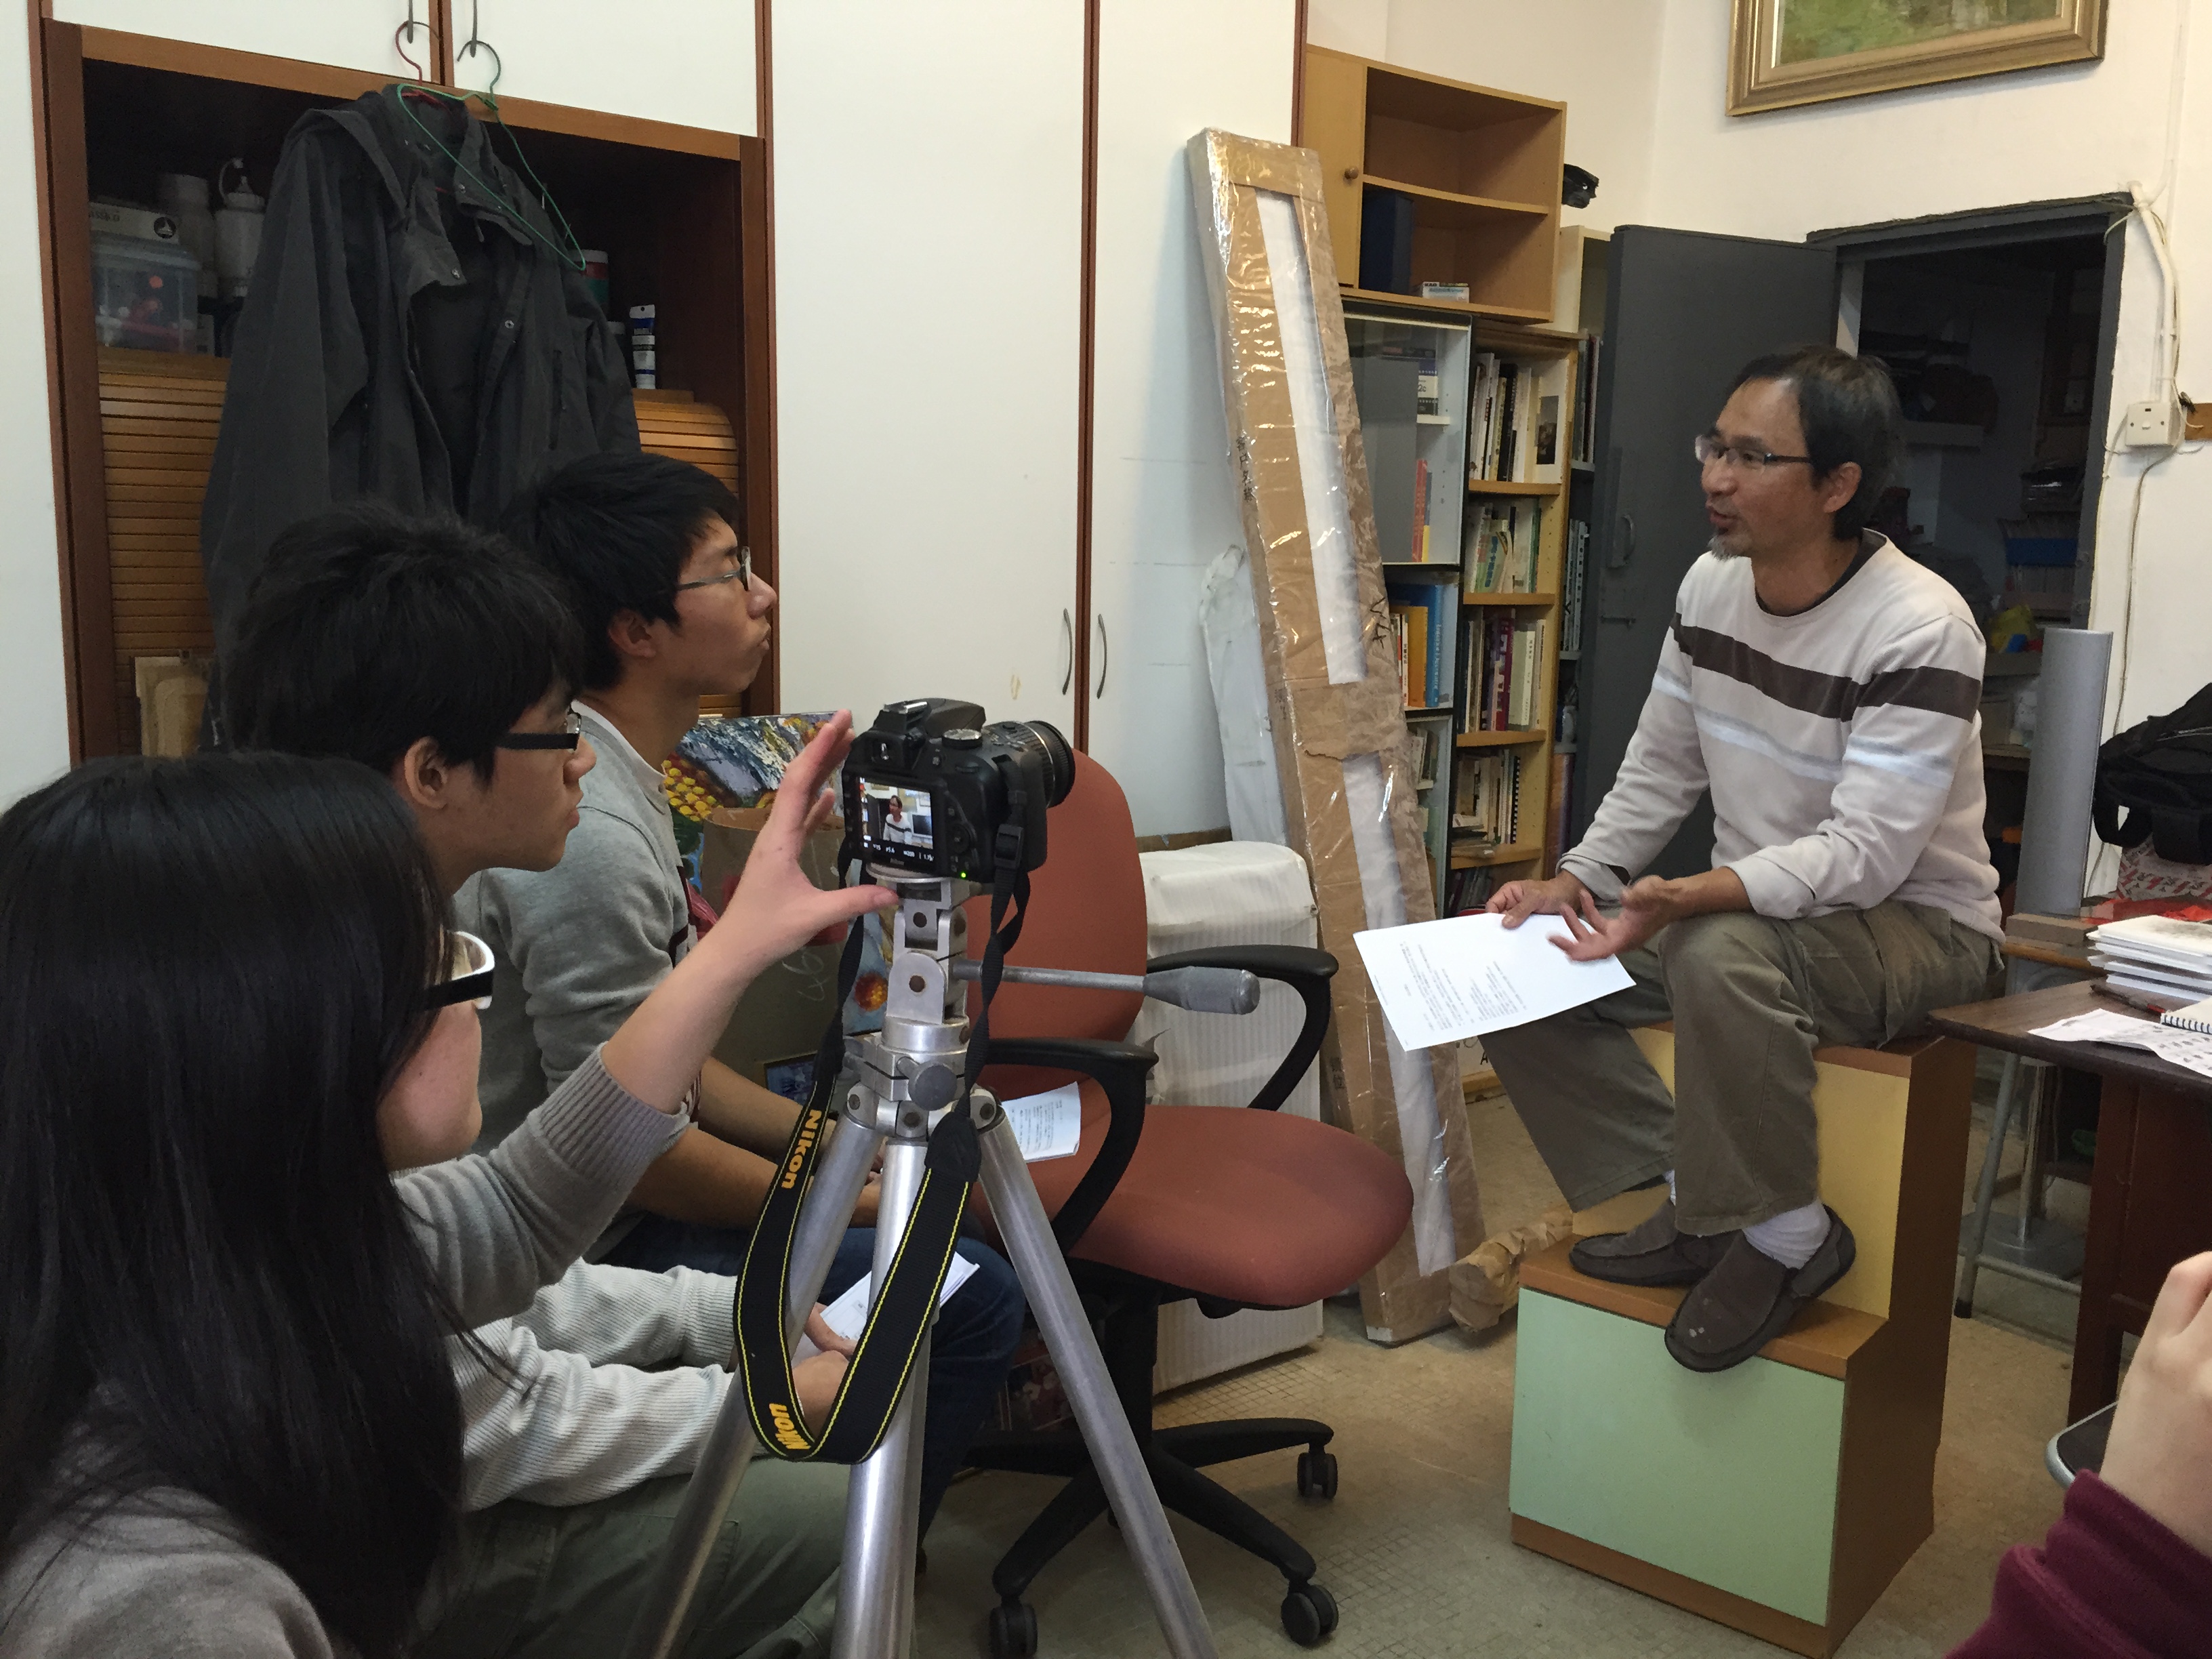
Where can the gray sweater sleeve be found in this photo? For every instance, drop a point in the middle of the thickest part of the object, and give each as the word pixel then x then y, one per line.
pixel 1660 780
pixel 498 1228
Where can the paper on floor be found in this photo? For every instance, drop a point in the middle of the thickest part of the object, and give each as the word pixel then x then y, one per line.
pixel 849 1315
pixel 1049 1125
pixel 2188 1048
pixel 1444 981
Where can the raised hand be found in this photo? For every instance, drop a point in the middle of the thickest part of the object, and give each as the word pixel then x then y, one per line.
pixel 2160 1453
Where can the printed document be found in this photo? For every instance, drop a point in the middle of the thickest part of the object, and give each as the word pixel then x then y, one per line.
pixel 1444 981
pixel 849 1315
pixel 1049 1125
pixel 2190 1049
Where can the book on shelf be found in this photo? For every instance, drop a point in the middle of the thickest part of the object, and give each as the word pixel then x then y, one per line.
pixel 1486 802
pixel 1526 674
pixel 1586 351
pixel 1502 669
pixel 1428 754
pixel 1467 891
pixel 1428 387
pixel 1517 413
pixel 1500 547
pixel 1481 413
pixel 1420 549
pixel 1547 397
pixel 1576 563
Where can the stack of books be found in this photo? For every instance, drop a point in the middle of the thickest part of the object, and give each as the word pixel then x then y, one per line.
pixel 1486 811
pixel 2164 960
pixel 1418 613
pixel 1502 662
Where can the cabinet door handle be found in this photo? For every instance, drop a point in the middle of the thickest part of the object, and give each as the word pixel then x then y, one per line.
pixel 1352 175
pixel 1068 644
pixel 1101 691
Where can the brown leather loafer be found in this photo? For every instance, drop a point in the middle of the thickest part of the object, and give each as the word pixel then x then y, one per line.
pixel 1650 1253
pixel 1750 1298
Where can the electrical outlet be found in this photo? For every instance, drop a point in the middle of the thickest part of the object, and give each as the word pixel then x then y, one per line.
pixel 2153 424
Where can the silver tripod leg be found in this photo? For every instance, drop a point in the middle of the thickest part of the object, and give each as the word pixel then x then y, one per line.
pixel 822 1222
pixel 875 1595
pixel 1036 1256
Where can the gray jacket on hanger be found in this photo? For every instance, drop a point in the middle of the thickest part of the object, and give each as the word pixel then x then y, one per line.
pixel 414 332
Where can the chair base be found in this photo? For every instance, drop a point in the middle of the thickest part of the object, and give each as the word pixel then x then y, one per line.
pixel 1174 1457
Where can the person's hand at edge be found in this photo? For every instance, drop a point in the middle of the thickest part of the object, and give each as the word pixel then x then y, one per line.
pixel 818 1377
pixel 819 1333
pixel 1517 901
pixel 2159 1456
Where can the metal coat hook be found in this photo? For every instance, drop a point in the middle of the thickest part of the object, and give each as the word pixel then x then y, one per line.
pixel 407 30
pixel 476 42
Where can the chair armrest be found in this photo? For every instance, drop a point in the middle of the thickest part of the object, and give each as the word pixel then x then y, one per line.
pixel 1119 1068
pixel 1306 971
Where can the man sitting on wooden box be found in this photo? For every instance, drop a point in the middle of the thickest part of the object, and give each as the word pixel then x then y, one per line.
pixel 1825 689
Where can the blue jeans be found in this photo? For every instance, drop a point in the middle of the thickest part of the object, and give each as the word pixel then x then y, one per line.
pixel 970 1347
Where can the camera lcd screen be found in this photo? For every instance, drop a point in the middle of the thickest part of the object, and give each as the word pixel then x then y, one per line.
pixel 897 822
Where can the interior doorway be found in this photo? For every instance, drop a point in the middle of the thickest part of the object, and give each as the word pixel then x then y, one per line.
pixel 1998 329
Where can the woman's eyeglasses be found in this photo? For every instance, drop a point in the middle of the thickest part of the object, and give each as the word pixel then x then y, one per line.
pixel 740 571
pixel 468 974
pixel 571 730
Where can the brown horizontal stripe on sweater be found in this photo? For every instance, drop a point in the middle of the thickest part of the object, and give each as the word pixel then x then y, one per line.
pixel 1938 691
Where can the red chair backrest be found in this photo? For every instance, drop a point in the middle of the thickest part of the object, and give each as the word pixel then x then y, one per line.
pixel 1086 911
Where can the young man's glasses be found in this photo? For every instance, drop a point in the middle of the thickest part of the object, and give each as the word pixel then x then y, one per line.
pixel 571 730
pixel 468 974
pixel 1736 456
pixel 740 572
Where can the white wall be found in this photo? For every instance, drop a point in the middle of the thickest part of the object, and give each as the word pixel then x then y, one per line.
pixel 35 735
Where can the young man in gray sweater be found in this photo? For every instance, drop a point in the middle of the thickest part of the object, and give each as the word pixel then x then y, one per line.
pixel 441 657
pixel 1824 688
pixel 647 551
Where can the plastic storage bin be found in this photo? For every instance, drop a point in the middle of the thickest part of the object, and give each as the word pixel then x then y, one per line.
pixel 145 295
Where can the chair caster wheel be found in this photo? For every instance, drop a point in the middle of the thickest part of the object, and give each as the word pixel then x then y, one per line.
pixel 1317 1474
pixel 1014 1631
pixel 1309 1614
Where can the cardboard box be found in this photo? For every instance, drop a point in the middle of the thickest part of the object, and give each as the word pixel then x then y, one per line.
pixel 1342 749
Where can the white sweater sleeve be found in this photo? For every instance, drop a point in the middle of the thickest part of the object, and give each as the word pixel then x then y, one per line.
pixel 1660 780
pixel 621 1315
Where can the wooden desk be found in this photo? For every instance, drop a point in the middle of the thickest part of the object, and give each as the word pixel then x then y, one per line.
pixel 2150 1190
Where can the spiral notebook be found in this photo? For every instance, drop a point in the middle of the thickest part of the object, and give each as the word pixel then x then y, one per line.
pixel 2196 1017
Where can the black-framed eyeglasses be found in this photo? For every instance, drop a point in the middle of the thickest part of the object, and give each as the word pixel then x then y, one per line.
pixel 1710 449
pixel 567 736
pixel 468 974
pixel 740 571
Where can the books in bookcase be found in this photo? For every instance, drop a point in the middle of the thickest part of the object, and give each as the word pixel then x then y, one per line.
pixel 1517 426
pixel 1575 563
pixel 1419 614
pixel 1501 545
pixel 1502 665
pixel 1487 801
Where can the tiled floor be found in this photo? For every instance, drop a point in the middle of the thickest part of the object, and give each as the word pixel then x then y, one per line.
pixel 1415 1544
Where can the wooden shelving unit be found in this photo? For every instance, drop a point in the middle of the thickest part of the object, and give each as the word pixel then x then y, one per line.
pixel 1479 170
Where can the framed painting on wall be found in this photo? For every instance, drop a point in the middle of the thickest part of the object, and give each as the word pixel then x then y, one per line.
pixel 1802 52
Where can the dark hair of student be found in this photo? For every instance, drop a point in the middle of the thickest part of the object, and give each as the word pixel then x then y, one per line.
pixel 214 969
pixel 617 529
pixel 1849 409
pixel 369 629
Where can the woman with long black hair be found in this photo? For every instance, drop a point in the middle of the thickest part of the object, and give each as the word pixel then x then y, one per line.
pixel 228 1011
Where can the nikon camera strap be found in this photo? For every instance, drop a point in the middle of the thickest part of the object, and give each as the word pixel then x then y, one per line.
pixel 858 1417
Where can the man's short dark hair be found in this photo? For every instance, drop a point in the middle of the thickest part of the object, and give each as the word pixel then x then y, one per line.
pixel 369 629
pixel 616 529
pixel 1849 409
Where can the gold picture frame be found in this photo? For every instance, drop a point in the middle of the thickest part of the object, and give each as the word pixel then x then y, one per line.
pixel 1759 78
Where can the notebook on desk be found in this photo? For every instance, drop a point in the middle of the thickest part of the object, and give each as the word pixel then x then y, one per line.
pixel 2196 1017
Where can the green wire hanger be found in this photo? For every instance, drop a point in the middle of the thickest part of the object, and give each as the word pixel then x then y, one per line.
pixel 573 254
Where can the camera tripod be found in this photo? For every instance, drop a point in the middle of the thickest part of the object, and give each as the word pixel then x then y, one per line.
pixel 896 1087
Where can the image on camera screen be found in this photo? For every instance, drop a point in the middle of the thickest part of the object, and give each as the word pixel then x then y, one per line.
pixel 897 820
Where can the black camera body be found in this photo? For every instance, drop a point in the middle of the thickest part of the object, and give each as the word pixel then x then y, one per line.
pixel 933 790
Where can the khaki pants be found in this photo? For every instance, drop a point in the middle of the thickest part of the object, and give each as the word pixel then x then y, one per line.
pixel 1751 998
pixel 527 1581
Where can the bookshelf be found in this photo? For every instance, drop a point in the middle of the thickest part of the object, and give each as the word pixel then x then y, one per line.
pixel 1431 181
pixel 1505 788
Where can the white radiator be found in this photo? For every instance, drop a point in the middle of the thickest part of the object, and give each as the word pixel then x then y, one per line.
pixel 1226 893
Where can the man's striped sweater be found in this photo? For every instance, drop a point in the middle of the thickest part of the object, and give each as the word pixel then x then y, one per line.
pixel 1842 746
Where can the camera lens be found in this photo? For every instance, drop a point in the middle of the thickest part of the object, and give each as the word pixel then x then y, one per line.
pixel 1044 751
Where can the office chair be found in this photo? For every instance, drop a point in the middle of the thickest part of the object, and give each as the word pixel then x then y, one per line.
pixel 1231 1206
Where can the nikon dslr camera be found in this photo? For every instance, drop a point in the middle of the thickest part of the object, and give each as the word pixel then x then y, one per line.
pixel 934 790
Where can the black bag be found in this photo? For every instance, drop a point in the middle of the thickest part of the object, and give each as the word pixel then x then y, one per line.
pixel 2159 773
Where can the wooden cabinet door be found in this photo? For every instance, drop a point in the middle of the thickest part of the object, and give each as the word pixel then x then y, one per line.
pixel 929 294
pixel 1334 123
pixel 1164 497
pixel 690 62
pixel 351 33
